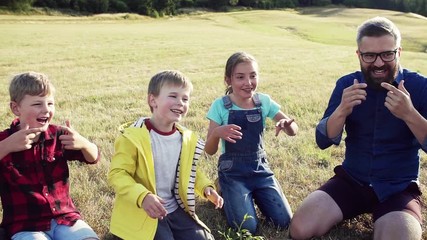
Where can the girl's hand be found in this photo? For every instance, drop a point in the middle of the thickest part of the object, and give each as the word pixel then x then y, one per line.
pixel 283 124
pixel 214 197
pixel 229 132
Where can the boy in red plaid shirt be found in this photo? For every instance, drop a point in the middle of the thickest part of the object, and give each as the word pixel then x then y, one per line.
pixel 34 175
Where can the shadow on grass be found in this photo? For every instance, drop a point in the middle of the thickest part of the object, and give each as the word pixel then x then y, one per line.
pixel 320 12
pixel 358 228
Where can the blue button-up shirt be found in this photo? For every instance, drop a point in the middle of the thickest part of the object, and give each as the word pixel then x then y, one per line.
pixel 381 150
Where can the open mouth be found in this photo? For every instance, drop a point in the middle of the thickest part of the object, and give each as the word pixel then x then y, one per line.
pixel 379 72
pixel 177 111
pixel 43 120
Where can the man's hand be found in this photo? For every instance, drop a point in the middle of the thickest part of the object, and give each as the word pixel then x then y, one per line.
pixel 398 100
pixel 352 96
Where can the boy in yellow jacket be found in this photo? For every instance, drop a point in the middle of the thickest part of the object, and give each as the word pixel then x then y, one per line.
pixel 154 169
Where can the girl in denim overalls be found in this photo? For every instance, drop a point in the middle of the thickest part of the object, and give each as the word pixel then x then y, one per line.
pixel 238 119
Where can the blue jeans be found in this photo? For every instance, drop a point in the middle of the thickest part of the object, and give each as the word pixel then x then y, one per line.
pixel 79 231
pixel 245 179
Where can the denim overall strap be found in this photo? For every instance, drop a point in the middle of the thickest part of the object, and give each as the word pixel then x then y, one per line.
pixel 251 125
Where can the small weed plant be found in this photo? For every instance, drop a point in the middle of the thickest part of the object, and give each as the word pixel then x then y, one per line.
pixel 240 233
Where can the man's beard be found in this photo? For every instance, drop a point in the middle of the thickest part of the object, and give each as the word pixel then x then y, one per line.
pixel 375 83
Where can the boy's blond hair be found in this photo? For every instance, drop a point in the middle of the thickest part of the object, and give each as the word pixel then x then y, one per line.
pixel 173 77
pixel 30 83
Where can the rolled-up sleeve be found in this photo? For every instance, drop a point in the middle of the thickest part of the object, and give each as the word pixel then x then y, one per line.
pixel 322 139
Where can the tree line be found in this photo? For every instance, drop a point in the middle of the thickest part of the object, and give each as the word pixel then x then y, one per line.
pixel 159 8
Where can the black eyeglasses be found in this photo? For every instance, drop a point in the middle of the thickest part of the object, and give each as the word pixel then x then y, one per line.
pixel 386 56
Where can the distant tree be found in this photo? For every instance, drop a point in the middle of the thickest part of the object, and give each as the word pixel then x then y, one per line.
pixel 286 3
pixel 97 6
pixel 218 4
pixel 188 3
pixel 202 3
pixel 357 3
pixel 305 3
pixel 19 5
pixel 249 3
pixel 233 2
pixel 168 7
pixel 143 7
pixel 423 10
pixel 321 2
pixel 45 3
pixel 118 6
pixel 382 4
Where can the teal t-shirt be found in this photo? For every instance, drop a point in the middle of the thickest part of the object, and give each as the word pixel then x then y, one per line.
pixel 219 114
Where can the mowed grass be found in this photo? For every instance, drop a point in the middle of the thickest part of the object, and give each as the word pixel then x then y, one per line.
pixel 101 65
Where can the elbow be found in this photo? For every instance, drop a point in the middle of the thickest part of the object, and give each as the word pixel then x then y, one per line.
pixel 322 142
pixel 322 146
pixel 210 151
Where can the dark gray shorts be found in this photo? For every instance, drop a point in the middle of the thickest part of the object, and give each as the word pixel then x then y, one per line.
pixel 179 225
pixel 355 199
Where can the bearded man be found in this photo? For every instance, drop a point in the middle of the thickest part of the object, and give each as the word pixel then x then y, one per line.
pixel 383 110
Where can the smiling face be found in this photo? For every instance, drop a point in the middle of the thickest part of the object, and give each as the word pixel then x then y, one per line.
pixel 378 71
pixel 170 106
pixel 244 80
pixel 34 111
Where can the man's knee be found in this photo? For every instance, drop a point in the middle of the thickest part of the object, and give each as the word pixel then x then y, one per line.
pixel 397 225
pixel 297 231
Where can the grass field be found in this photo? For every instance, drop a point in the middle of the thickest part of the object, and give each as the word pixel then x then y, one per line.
pixel 101 65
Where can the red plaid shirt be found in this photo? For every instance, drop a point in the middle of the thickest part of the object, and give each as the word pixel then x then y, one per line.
pixel 34 186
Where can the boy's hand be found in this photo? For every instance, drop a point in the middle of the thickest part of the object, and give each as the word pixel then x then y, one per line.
pixel 214 197
pixel 71 139
pixel 282 124
pixel 153 205
pixel 22 139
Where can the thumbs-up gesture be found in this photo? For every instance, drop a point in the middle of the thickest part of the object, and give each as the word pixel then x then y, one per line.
pixel 398 100
pixel 71 139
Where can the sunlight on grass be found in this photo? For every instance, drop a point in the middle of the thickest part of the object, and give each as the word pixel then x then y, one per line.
pixel 101 65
